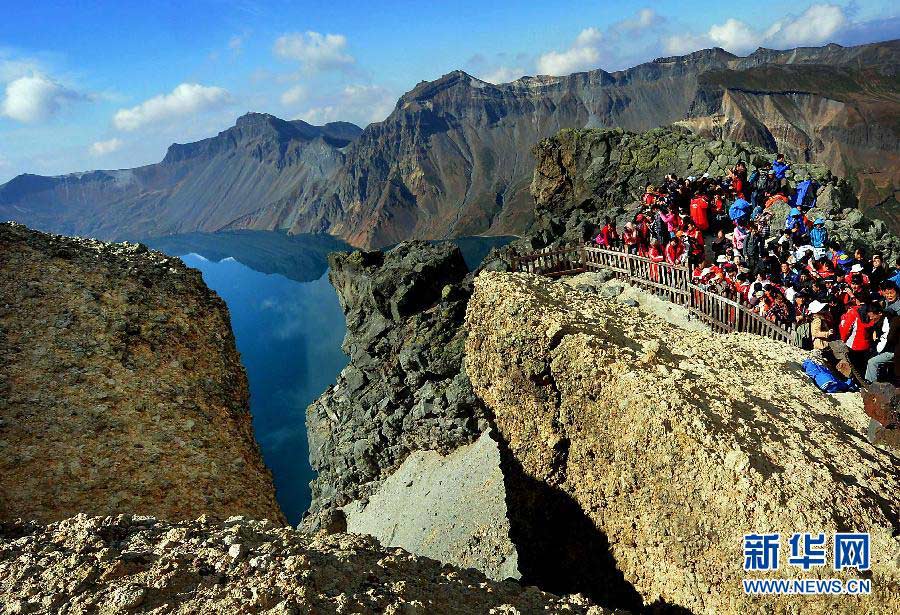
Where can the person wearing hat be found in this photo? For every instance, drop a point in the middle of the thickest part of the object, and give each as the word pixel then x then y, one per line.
pixel 822 326
pixel 818 236
pixel 796 224
pixel 857 270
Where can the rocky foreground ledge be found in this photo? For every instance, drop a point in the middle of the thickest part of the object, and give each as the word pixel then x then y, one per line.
pixel 128 564
pixel 121 389
pixel 672 444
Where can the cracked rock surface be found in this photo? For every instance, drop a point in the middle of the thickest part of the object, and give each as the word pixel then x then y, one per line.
pixel 676 443
pixel 121 389
pixel 130 564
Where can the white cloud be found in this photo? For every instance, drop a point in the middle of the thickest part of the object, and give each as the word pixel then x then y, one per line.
pixel 293 95
pixel 502 74
pixel 582 55
pixel 186 99
pixel 34 98
pixel 315 51
pixel 360 104
pixel 615 47
pixel 101 148
pixel 818 24
pixel 734 35
pixel 684 43
pixel 815 26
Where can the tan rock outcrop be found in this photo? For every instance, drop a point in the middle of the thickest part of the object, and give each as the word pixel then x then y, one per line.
pixel 121 390
pixel 131 564
pixel 676 443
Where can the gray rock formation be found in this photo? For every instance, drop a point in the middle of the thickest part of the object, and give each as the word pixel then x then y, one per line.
pixel 451 508
pixel 404 389
pixel 130 564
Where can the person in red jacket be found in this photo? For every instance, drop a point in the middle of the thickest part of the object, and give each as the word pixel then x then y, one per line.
pixel 675 251
pixel 858 330
pixel 630 238
pixel 655 254
pixel 700 211
pixel 608 237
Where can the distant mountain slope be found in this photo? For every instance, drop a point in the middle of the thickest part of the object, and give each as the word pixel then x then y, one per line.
pixel 453 158
pixel 199 186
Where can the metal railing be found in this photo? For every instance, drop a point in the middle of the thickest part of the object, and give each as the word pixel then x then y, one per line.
pixel 672 282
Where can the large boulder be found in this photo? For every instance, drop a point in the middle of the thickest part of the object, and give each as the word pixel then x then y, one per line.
pixel 451 508
pixel 674 444
pixel 121 389
pixel 405 389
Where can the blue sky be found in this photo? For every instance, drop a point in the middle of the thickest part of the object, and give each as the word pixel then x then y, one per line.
pixel 112 84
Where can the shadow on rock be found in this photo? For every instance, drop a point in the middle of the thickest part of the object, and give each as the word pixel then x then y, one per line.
pixel 559 548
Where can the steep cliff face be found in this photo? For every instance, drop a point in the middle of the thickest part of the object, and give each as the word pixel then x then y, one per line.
pixel 121 390
pixel 200 186
pixel 404 389
pixel 129 564
pixel 582 175
pixel 675 443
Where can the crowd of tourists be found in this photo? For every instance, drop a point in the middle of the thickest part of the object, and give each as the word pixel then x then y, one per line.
pixel 788 270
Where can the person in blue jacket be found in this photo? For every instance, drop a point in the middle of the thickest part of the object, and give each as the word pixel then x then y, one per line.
pixel 781 167
pixel 818 236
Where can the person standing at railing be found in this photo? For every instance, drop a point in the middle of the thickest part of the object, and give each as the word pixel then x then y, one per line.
pixel 630 238
pixel 674 252
pixel 700 211
pixel 608 236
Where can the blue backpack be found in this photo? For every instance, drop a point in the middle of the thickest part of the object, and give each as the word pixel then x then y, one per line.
pixel 826 380
pixel 805 196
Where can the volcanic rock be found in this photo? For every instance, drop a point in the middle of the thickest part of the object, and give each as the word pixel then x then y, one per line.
pixel 121 390
pixel 676 443
pixel 127 564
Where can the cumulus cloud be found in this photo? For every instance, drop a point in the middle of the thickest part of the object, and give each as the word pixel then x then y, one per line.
pixel 502 74
pixel 293 95
pixel 818 24
pixel 315 51
pixel 186 99
pixel 619 45
pixel 584 54
pixel 35 98
pixel 360 104
pixel 101 148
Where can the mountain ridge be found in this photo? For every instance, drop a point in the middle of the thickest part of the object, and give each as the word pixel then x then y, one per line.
pixel 453 157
